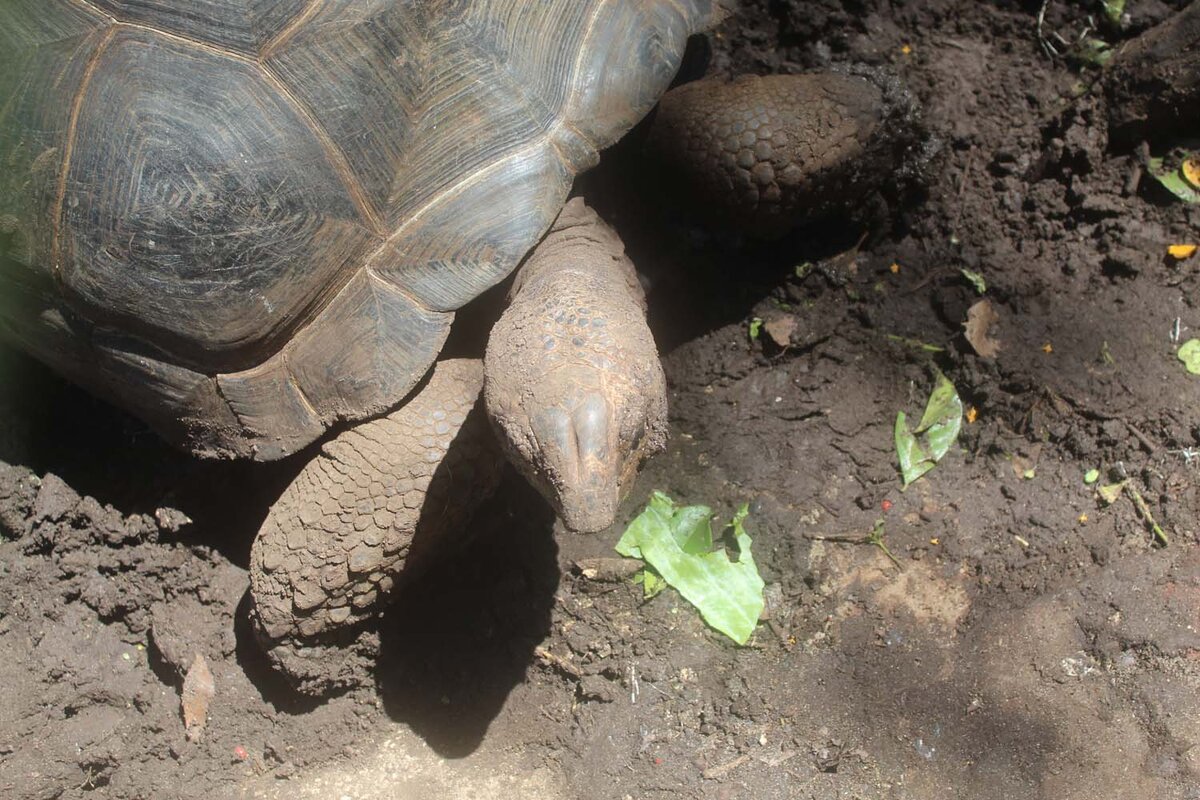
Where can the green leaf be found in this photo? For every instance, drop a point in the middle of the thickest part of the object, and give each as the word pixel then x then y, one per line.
pixel 692 528
pixel 939 428
pixel 1091 476
pixel 1189 354
pixel 1091 52
pixel 916 344
pixel 755 327
pixel 652 584
pixel 728 594
pixel 913 460
pixel 1113 9
pixel 689 526
pixel 975 279
pixel 1173 181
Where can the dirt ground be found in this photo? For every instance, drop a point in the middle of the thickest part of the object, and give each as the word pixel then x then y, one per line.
pixel 1032 642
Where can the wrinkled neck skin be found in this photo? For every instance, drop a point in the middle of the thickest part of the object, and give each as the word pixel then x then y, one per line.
pixel 574 386
pixel 582 250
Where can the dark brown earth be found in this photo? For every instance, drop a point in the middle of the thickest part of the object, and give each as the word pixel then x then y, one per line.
pixel 1032 643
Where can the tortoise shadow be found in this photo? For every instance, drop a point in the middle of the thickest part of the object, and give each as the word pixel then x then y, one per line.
pixel 456 641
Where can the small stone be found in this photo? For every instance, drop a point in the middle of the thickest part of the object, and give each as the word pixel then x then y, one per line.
pixel 171 520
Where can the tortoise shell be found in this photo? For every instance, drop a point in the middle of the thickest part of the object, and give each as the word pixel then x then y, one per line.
pixel 245 220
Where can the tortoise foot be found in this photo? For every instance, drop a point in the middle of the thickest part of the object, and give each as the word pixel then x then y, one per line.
pixel 372 510
pixel 762 154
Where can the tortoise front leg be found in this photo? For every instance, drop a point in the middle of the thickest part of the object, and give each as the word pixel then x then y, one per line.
pixel 761 154
pixel 372 509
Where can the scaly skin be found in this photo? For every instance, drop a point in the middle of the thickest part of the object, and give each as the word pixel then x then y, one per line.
pixel 378 503
pixel 573 382
pixel 760 154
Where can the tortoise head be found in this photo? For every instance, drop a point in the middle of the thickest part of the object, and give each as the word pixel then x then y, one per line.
pixel 573 383
pixel 580 440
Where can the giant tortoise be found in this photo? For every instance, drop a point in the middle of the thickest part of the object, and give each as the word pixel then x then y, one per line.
pixel 247 221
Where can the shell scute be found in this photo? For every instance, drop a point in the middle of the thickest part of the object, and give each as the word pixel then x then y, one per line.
pixel 200 210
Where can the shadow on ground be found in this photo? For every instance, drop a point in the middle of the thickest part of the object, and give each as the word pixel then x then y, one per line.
pixel 456 642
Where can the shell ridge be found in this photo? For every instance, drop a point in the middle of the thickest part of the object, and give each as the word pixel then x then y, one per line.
pixel 577 68
pixel 88 5
pixel 455 188
pixel 68 150
pixel 290 29
pixel 337 158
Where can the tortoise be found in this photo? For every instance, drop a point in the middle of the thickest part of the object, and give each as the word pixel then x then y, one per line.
pixel 249 222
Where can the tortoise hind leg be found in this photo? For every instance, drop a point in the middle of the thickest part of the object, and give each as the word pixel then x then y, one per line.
pixel 371 510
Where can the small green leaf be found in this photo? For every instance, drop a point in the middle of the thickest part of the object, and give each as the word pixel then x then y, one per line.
pixel 1029 474
pixel 692 528
pixel 1113 9
pixel 1173 181
pixel 939 427
pixel 652 584
pixel 1189 354
pixel 755 328
pixel 728 594
pixel 1091 476
pixel 1091 52
pixel 689 526
pixel 975 279
pixel 916 344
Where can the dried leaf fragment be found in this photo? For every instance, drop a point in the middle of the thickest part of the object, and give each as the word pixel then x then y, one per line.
pixel 780 329
pixel 198 691
pixel 980 319
pixel 1190 170
pixel 1176 181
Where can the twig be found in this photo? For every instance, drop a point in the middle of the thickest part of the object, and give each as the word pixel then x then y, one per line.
pixel 1188 455
pixel 1144 510
pixel 875 537
pixel 1151 448
pixel 719 771
pixel 558 662
pixel 962 187
pixel 1041 22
